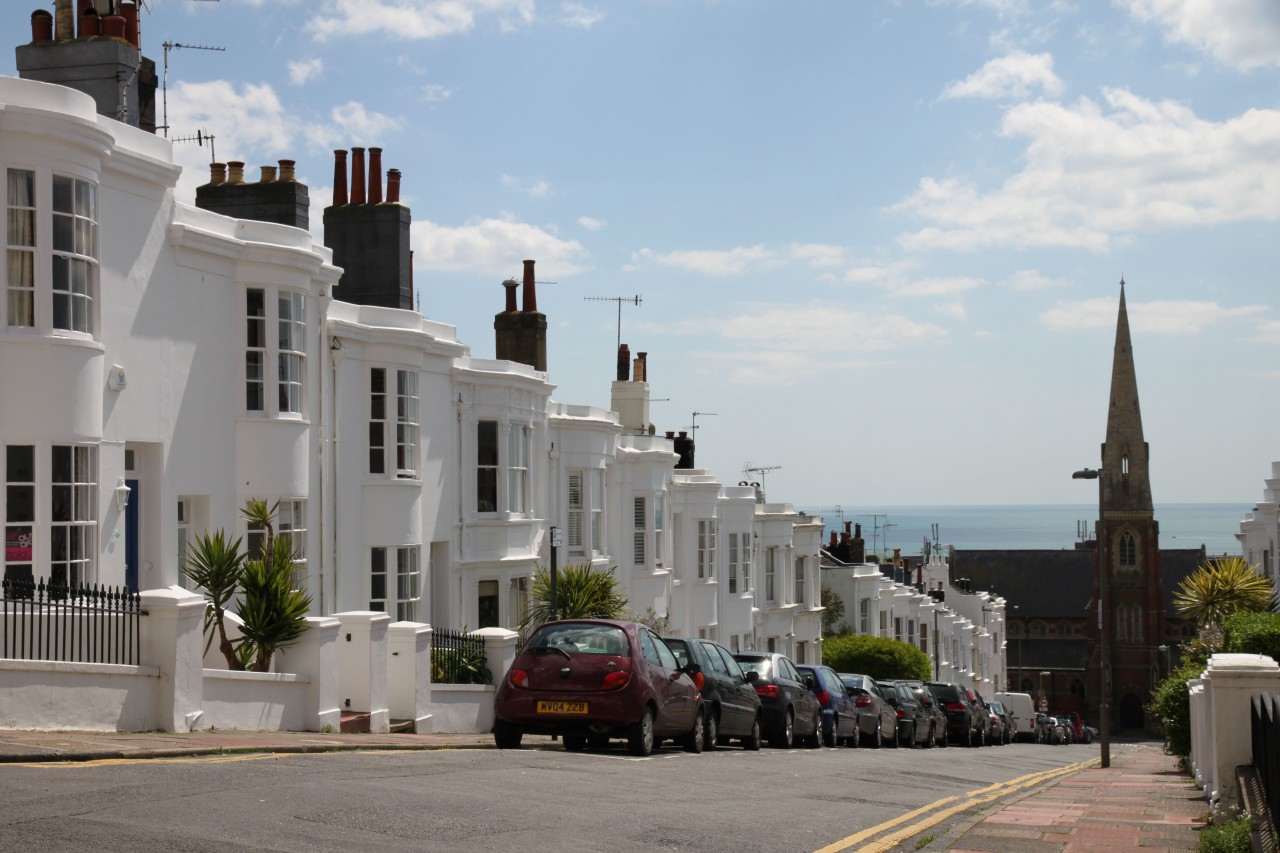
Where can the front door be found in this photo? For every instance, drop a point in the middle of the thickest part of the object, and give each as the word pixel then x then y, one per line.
pixel 131 536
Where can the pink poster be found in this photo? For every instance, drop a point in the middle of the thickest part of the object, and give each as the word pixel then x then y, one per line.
pixel 17 545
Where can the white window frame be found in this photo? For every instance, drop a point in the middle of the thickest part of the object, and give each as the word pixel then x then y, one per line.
pixel 407 425
pixel 734 556
pixel 291 354
pixel 378 420
pixel 20 533
pixel 575 512
pixel 799 580
pixel 864 615
pixel 74 250
pixel 73 506
pixel 518 435
pixel 255 349
pixel 275 333
pixel 22 222
pixel 487 468
pixel 595 500
pixel 706 556
pixel 771 575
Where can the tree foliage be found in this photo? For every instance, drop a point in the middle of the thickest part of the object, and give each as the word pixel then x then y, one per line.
pixel 582 593
pixel 878 657
pixel 1219 587
pixel 832 613
pixel 1252 633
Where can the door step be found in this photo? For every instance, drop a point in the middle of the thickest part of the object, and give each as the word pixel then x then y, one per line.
pixel 354 723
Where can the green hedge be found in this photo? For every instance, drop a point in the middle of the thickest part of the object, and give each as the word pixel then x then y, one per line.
pixel 878 657
pixel 1171 701
pixel 1252 633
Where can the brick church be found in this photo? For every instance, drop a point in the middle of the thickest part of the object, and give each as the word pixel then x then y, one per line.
pixel 1054 646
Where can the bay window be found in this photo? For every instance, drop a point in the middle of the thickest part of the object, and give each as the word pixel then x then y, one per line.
pixel 517 467
pixel 706 558
pixel 20 251
pixel 75 252
pixel 487 466
pixel 73 518
pixel 288 311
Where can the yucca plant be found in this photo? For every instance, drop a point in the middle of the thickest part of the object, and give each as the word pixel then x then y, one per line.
pixel 215 564
pixel 583 593
pixel 1222 586
pixel 272 607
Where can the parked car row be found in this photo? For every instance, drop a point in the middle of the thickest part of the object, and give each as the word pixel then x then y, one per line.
pixel 593 680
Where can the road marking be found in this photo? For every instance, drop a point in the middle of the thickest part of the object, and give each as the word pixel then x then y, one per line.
pixel 194 759
pixel 979 797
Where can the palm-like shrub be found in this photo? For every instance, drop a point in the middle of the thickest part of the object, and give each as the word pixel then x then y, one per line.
pixel 582 593
pixel 1220 587
pixel 215 564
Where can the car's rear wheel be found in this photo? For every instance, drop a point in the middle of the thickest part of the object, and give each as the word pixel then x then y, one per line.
pixel 785 738
pixel 506 735
pixel 829 729
pixel 816 741
pixel 574 743
pixel 695 739
pixel 712 736
pixel 751 742
pixel 877 741
pixel 640 739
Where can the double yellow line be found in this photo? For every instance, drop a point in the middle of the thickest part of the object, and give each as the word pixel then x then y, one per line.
pixel 945 808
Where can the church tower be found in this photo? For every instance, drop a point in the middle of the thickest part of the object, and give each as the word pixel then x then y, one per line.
pixel 1128 582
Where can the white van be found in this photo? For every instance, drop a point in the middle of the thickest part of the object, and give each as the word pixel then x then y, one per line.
pixel 1021 708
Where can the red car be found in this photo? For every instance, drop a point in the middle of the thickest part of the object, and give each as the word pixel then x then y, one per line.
pixel 589 680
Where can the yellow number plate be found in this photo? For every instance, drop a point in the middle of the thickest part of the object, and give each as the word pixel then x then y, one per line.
pixel 562 707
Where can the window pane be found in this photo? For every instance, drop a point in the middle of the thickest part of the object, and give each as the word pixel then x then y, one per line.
pixel 62 194
pixel 20 463
pixel 487 442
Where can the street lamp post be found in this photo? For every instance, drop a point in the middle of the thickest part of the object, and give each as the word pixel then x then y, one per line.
pixel 1104 706
pixel 1022 629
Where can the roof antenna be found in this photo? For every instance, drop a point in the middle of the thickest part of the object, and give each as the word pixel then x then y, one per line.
pixel 168 46
pixel 634 300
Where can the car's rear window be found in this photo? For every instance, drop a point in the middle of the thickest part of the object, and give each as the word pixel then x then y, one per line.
pixel 680 649
pixel 761 666
pixel 583 639
pixel 945 692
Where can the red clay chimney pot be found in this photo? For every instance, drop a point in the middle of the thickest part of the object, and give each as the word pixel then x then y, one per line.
pixel 339 178
pixel 530 288
pixel 393 186
pixel 375 176
pixel 357 176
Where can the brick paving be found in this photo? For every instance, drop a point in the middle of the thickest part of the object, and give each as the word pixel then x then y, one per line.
pixel 1143 801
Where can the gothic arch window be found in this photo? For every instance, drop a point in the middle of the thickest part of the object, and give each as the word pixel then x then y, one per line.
pixel 1037 629
pixel 1128 550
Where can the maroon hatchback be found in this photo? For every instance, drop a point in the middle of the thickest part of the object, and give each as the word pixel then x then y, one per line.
pixel 589 680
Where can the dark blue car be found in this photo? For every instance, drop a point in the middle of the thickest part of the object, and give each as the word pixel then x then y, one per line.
pixel 839 711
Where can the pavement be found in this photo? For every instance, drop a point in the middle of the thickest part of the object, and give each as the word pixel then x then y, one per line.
pixel 1143 801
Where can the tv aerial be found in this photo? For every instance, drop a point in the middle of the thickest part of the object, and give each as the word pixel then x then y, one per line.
pixel 634 300
pixel 173 45
pixel 762 470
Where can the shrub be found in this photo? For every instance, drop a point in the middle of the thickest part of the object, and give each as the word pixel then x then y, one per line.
pixel 878 657
pixel 1231 836
pixel 1171 700
pixel 1252 633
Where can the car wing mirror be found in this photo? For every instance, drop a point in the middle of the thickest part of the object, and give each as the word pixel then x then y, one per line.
pixel 691 669
pixel 752 676
pixel 810 682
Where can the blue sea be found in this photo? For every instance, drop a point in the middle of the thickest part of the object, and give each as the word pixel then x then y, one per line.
pixel 1036 526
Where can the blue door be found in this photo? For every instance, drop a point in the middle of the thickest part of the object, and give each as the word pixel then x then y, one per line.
pixel 131 536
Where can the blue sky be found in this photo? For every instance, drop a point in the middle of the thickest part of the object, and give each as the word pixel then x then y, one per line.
pixel 881 241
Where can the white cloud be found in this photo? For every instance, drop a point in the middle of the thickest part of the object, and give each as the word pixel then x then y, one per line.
pixel 591 224
pixel 954 310
pixel 435 93
pixel 718 263
pixel 1268 332
pixel 818 255
pixel 537 189
pixel 305 69
pixel 938 286
pixel 414 19
pixel 1241 33
pixel 577 15
pixel 1092 173
pixel 1012 76
pixel 1032 280
pixel 352 124
pixel 493 246
pixel 1159 317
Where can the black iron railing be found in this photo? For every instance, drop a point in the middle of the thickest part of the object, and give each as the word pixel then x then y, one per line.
pixel 52 621
pixel 458 658
pixel 1264 719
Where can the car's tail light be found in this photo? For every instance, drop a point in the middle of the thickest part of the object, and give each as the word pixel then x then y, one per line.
pixel 954 706
pixel 824 698
pixel 902 715
pixel 862 701
pixel 519 678
pixel 616 680
pixel 768 691
pixel 699 680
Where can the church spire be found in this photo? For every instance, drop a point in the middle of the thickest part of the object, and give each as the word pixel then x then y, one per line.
pixel 1126 485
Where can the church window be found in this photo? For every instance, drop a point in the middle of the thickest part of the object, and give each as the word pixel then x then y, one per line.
pixel 1128 550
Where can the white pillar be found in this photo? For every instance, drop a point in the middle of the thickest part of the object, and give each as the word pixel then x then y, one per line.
pixel 172 639
pixel 409 673
pixel 1199 728
pixel 315 655
pixel 362 666
pixel 1233 680
pixel 500 654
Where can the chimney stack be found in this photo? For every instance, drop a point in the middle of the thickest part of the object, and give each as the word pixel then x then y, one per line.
pixel 530 288
pixel 339 178
pixel 511 284
pixel 643 375
pixel 357 176
pixel 274 197
pixel 624 363
pixel 375 176
pixel 393 186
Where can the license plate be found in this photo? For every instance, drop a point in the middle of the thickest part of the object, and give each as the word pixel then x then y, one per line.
pixel 562 707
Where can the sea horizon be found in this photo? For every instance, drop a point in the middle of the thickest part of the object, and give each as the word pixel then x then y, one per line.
pixel 1026 526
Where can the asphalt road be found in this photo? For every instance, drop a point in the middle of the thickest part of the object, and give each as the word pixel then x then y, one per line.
pixel 487 800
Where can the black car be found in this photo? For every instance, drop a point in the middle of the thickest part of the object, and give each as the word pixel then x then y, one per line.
pixel 877 721
pixel 839 713
pixel 728 694
pixel 966 722
pixel 915 722
pixel 791 712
